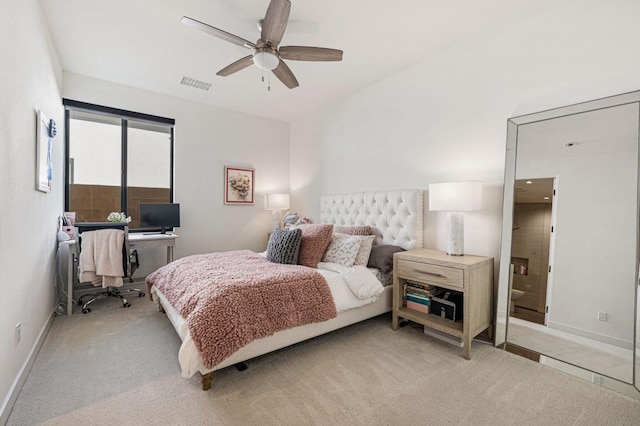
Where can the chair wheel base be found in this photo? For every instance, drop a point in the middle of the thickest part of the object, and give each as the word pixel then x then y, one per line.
pixel 141 294
pixel 86 310
pixel 126 305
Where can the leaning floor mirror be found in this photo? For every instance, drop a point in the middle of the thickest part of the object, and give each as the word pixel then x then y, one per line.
pixel 568 284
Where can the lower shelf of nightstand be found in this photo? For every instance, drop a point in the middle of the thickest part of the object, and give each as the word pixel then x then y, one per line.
pixel 446 326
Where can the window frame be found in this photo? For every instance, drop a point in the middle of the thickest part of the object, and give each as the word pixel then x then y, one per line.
pixel 124 116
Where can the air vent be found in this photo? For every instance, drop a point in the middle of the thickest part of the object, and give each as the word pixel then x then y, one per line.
pixel 192 82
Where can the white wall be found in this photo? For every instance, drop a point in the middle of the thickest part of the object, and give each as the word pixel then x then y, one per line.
pixel 206 139
pixel 444 119
pixel 31 80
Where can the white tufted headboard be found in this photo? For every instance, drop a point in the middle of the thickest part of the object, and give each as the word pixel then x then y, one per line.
pixel 394 216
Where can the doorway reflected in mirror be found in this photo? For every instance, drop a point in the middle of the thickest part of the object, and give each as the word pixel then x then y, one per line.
pixel 530 242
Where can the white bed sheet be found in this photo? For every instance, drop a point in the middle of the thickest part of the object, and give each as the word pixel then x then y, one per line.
pixel 190 360
pixel 386 278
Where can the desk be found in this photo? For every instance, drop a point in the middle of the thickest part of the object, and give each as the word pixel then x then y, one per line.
pixel 136 240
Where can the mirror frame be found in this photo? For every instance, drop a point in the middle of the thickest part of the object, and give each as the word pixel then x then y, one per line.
pixel 513 124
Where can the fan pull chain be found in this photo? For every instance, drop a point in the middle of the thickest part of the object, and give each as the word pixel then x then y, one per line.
pixel 268 79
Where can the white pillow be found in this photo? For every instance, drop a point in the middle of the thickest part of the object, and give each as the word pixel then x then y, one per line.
pixel 342 250
pixel 366 242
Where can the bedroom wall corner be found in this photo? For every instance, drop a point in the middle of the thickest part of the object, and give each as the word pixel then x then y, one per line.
pixel 306 170
pixel 31 81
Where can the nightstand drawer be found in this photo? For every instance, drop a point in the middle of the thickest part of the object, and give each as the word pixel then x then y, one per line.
pixel 430 274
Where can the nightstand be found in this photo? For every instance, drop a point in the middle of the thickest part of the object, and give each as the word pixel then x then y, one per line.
pixel 470 275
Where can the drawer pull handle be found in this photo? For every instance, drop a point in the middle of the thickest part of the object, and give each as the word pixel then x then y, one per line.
pixel 433 274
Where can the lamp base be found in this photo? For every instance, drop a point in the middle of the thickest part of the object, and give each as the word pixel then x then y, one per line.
pixel 275 224
pixel 455 227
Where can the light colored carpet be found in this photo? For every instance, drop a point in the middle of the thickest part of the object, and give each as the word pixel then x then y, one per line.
pixel 119 367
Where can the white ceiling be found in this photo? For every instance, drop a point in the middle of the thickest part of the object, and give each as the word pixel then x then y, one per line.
pixel 142 43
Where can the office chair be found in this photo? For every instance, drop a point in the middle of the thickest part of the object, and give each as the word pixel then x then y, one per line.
pixel 130 263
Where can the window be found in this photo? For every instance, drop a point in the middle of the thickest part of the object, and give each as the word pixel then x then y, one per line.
pixel 115 160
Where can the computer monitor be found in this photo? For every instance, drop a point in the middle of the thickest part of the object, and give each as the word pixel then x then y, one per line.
pixel 163 216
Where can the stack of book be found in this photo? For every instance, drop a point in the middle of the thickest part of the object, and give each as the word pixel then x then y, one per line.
pixel 417 296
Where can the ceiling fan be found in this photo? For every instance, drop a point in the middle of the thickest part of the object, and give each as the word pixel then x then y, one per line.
pixel 266 53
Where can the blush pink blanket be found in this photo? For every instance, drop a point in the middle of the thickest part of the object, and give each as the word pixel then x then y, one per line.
pixel 232 298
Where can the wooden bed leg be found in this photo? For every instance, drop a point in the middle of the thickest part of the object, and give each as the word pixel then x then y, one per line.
pixel 206 380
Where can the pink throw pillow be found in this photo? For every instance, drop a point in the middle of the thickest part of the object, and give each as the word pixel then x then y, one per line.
pixel 314 242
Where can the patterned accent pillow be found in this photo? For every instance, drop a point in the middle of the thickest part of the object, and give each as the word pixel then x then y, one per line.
pixel 343 249
pixel 366 243
pixel 314 242
pixel 353 230
pixel 284 246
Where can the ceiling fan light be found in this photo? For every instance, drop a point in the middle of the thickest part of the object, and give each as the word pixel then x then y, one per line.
pixel 265 60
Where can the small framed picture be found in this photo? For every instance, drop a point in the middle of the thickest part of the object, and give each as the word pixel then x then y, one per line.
pixel 238 187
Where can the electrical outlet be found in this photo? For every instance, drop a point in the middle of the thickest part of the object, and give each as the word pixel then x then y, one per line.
pixel 602 316
pixel 18 332
pixel 596 378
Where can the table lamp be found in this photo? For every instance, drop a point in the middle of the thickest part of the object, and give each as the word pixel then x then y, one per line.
pixel 277 203
pixel 455 198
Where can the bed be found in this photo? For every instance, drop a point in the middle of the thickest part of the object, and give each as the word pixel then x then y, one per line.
pixel 395 218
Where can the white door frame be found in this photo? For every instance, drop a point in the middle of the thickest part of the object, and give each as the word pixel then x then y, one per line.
pixel 552 249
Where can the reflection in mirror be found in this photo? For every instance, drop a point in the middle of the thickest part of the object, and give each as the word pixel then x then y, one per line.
pixel 532 221
pixel 570 237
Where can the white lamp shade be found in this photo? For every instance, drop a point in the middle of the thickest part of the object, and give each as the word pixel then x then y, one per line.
pixel 276 201
pixel 455 196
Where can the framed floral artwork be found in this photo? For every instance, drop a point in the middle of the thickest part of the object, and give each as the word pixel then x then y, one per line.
pixel 238 188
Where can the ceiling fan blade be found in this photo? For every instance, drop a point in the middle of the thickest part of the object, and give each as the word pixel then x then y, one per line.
pixel 306 53
pixel 238 65
pixel 275 22
pixel 216 32
pixel 285 75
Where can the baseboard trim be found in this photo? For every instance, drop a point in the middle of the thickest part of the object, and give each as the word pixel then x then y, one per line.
pixel 615 341
pixel 21 378
pixel 605 381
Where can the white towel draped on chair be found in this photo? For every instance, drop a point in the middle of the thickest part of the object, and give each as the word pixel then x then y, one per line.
pixel 100 259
